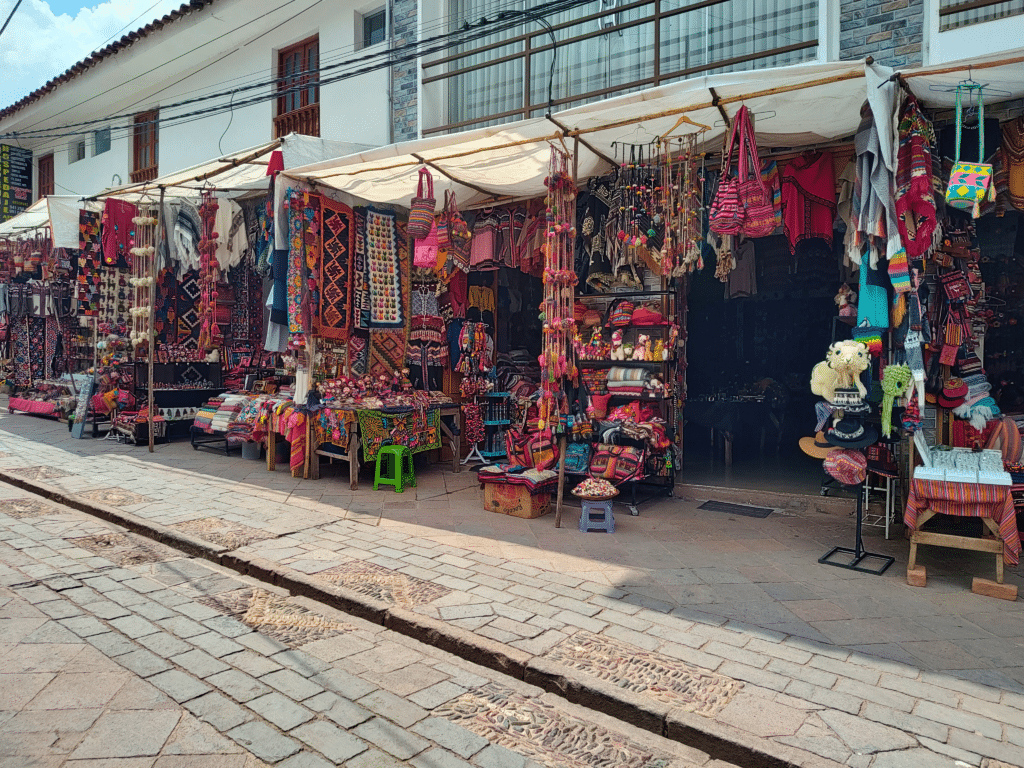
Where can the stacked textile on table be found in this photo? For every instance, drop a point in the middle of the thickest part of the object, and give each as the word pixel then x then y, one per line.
pixel 227 413
pixel 627 381
pixel 535 480
pixel 518 372
pixel 205 414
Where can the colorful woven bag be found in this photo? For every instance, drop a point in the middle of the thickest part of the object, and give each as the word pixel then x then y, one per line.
pixel 620 313
pixel 726 214
pixel 970 183
pixel 421 209
pixel 755 197
pixel 425 249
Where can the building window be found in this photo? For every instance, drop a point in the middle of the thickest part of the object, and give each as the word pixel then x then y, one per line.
pixel 298 102
pixel 504 76
pixel 46 175
pixel 375 27
pixel 76 151
pixel 100 141
pixel 145 145
pixel 962 13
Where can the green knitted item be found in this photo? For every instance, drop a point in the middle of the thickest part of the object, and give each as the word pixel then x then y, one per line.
pixel 895 379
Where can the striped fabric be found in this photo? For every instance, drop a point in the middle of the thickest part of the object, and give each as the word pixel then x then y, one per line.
pixel 967 500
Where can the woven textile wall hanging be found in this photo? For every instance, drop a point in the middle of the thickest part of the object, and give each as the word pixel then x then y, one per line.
pixel 90 258
pixel 383 270
pixel 335 315
pixel 208 271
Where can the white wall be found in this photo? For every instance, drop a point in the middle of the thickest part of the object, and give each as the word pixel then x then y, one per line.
pixel 354 110
pixel 970 41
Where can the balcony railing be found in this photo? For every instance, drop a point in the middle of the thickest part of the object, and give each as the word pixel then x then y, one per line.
pixel 305 120
pixel 144 174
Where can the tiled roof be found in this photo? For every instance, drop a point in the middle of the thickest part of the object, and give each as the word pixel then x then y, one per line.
pixel 95 58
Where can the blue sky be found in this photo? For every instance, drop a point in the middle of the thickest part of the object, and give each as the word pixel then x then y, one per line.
pixel 46 37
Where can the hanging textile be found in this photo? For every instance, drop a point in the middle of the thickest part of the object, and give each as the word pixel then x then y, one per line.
pixel 233 243
pixel 808 198
pixel 209 271
pixel 118 232
pixel 360 289
pixel 303 254
pixel 187 312
pixel 335 312
pixel 90 258
pixel 387 351
pixel 37 346
pixel 383 270
pixel 915 203
pixel 19 330
pixel 247 311
pixel 187 234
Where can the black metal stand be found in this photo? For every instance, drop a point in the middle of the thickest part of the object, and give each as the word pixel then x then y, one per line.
pixel 858 554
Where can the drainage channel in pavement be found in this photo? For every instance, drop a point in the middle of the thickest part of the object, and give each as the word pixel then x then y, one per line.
pixel 219 663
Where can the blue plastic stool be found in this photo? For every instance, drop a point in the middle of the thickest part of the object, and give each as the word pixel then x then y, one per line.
pixel 597 516
pixel 398 469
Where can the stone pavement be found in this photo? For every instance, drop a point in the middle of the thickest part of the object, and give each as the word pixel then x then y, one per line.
pixel 606 620
pixel 116 652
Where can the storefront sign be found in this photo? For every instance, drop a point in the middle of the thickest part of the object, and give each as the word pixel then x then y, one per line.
pixel 15 180
pixel 82 411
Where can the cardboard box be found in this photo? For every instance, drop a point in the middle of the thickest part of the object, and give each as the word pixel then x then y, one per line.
pixel 515 500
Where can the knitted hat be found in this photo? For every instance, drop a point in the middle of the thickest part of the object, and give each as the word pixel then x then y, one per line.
pixel 899 273
pixel 953 393
pixel 847 466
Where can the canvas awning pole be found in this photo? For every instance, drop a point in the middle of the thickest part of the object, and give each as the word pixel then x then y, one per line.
pixel 960 68
pixel 151 341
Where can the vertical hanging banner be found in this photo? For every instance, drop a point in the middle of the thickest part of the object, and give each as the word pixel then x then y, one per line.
pixel 15 180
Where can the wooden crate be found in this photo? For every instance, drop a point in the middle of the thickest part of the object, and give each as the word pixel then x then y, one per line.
pixel 515 500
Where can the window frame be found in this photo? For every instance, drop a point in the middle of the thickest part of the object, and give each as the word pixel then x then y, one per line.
pixel 76 150
pixel 365 18
pixel 286 79
pixel 96 141
pixel 146 146
pixel 46 182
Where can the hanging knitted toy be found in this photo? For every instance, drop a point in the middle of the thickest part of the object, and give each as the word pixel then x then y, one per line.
pixel 894 384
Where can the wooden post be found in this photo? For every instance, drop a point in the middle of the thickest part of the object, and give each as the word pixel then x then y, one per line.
pixel 561 480
pixel 151 341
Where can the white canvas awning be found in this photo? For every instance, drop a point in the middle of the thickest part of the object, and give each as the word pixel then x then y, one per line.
pixel 798 105
pixel 935 86
pixel 237 173
pixel 32 218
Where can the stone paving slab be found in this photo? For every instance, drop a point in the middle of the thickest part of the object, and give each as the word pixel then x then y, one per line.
pixel 79 695
pixel 386 573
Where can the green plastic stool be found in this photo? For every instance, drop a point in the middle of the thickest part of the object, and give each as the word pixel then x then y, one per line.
pixel 398 472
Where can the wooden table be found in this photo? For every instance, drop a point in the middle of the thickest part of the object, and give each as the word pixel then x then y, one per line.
pixel 992 503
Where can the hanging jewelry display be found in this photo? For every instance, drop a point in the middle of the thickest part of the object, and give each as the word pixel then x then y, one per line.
pixel 558 359
pixel 144 247
pixel 208 271
pixel 684 207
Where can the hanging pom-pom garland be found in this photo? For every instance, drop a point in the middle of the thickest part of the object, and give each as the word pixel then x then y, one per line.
pixel 143 249
pixel 209 270
pixel 558 358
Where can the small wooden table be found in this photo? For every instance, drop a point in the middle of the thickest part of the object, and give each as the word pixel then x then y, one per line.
pixel 991 542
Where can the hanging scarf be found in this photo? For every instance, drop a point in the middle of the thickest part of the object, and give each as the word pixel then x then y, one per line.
pixel 809 198
pixel 915 205
pixel 894 383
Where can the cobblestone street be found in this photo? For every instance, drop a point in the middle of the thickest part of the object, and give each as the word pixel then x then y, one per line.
pixel 719 633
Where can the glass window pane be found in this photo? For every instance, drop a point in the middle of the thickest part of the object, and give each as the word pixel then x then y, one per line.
pixel 978 15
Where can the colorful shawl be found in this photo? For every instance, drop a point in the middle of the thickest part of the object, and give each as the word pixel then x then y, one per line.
pixel 809 198
pixel 416 430
pixel 118 232
pixel 915 205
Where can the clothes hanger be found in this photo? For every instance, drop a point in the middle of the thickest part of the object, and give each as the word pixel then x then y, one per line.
pixel 971 85
pixel 684 119
pixel 630 139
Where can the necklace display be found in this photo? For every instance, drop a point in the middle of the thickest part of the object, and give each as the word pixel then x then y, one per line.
pixel 558 359
pixel 682 189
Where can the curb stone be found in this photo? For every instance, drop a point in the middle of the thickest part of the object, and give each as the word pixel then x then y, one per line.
pixel 719 741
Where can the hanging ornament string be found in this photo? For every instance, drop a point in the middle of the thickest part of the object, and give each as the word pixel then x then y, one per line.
pixel 141 280
pixel 558 358
pixel 209 270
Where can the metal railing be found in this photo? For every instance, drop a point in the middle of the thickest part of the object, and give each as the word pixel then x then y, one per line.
pixel 530 48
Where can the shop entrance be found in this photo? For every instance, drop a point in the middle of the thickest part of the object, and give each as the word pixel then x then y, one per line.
pixel 752 343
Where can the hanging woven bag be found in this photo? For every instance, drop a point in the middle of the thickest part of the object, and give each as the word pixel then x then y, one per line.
pixel 726 214
pixel 425 250
pixel 970 183
pixel 421 210
pixel 755 197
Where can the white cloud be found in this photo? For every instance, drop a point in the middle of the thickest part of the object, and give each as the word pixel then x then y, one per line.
pixel 39 44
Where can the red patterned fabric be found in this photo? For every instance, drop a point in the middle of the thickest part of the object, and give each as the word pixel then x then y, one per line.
pixel 31 406
pixel 967 500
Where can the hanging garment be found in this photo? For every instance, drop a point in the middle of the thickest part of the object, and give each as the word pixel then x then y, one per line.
pixel 187 234
pixel 1013 161
pixel 118 232
pixel 916 213
pixel 743 278
pixel 809 198
pixel 233 243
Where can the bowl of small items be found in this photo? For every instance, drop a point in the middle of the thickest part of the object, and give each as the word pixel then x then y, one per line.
pixel 595 489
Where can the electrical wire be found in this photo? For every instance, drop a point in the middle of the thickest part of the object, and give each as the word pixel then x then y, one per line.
pixel 468 32
pixel 10 16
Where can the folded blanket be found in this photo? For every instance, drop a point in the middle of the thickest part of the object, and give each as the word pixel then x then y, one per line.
pixel 628 374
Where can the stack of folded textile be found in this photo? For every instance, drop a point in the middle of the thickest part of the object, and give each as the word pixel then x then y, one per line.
pixel 206 412
pixel 228 412
pixel 628 381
